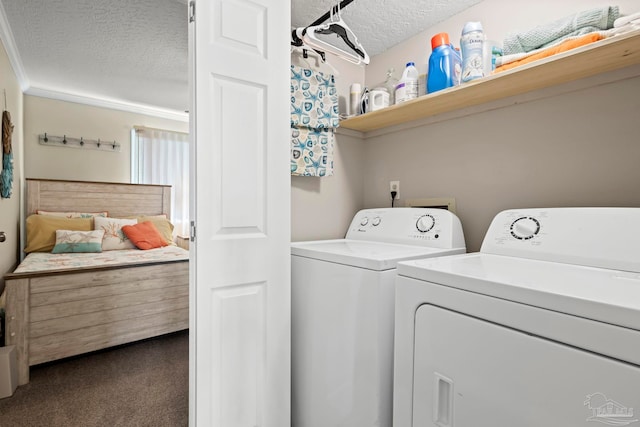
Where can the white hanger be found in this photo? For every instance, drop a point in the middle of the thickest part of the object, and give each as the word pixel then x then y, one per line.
pixel 319 59
pixel 336 26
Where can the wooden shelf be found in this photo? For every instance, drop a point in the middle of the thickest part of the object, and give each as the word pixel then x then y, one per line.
pixel 605 55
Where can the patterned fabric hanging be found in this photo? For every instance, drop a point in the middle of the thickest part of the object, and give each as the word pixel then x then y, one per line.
pixel 6 176
pixel 314 116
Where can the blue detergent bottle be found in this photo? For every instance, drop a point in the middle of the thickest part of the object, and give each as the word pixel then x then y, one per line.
pixel 444 64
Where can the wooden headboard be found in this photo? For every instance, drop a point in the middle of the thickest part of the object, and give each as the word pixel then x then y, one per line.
pixel 120 200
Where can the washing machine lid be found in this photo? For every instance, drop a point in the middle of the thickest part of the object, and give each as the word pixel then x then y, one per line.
pixel 376 256
pixel 610 296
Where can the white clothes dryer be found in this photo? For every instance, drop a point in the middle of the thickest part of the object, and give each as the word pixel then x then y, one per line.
pixel 539 328
pixel 342 313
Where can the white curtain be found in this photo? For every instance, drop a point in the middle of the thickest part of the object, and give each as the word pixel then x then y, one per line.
pixel 162 157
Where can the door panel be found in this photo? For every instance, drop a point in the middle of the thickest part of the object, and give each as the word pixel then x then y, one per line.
pixel 474 373
pixel 240 333
pixel 242 154
pixel 240 262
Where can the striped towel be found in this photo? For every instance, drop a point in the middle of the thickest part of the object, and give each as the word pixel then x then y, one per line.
pixel 570 26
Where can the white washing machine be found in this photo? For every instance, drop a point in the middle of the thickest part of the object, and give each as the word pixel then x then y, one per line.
pixel 342 313
pixel 540 328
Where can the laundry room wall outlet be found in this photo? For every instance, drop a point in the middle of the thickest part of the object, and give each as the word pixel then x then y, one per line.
pixel 395 186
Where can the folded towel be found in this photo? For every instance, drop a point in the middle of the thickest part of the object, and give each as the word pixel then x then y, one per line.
pixel 314 116
pixel 311 152
pixel 573 25
pixel 624 20
pixel 544 53
pixel 314 99
pixel 627 28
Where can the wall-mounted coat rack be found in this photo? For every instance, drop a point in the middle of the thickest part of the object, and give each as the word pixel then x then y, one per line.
pixel 90 144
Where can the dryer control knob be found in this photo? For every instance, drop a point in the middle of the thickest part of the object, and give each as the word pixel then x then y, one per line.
pixel 425 223
pixel 376 221
pixel 525 228
pixel 364 221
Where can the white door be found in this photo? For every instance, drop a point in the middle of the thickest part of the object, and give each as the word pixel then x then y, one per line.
pixel 240 257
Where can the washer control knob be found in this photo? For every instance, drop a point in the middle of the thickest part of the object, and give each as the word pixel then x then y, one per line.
pixel 425 223
pixel 364 221
pixel 376 221
pixel 525 228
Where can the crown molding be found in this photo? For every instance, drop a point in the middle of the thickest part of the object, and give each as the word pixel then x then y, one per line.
pixel 6 35
pixel 146 110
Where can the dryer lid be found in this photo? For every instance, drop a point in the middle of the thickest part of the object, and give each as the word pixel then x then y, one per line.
pixel 610 296
pixel 363 254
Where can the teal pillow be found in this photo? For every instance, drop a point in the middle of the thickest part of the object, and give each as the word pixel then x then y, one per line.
pixel 70 241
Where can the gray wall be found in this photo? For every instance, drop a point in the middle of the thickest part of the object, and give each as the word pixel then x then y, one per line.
pixel 573 145
pixel 321 208
pixel 575 149
pixel 567 146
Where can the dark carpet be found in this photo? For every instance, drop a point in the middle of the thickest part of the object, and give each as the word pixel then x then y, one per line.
pixel 140 384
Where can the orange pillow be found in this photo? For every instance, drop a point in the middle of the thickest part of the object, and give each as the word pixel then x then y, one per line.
pixel 144 235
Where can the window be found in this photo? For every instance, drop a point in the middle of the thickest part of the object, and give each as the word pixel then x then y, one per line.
pixel 162 157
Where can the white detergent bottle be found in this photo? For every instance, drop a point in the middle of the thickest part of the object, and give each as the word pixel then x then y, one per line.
pixel 471 43
pixel 407 88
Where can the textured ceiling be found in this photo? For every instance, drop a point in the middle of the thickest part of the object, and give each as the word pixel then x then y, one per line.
pixel 135 51
pixel 131 51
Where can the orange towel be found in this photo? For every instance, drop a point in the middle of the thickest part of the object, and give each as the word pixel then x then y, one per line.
pixel 562 47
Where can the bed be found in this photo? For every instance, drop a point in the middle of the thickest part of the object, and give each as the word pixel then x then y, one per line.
pixel 110 298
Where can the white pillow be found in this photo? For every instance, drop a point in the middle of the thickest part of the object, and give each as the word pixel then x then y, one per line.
pixel 114 238
pixel 70 241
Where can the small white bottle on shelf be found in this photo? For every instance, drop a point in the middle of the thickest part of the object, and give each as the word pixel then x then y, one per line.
pixel 355 96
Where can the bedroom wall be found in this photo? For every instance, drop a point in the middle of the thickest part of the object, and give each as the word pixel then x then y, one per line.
pixel 574 145
pixel 321 208
pixel 10 207
pixel 78 120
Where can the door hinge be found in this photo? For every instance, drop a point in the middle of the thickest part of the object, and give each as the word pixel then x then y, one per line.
pixel 192 233
pixel 192 11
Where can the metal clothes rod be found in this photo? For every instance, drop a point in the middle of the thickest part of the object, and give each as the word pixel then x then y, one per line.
pixel 334 10
pixel 295 41
pixel 90 144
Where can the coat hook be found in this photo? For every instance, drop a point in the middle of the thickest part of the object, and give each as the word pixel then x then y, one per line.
pixel 64 139
pixel 81 142
pixel 114 145
pixel 98 143
pixel 45 137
